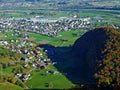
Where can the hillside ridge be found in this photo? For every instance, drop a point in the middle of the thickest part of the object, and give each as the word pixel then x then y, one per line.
pixel 98 55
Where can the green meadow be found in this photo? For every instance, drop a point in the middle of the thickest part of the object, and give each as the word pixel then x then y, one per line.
pixel 65 38
pixel 9 86
pixel 45 80
pixel 106 14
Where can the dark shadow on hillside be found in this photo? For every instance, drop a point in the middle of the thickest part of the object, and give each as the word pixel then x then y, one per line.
pixel 66 63
pixel 79 62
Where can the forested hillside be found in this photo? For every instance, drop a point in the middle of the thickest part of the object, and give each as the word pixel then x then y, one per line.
pixel 98 56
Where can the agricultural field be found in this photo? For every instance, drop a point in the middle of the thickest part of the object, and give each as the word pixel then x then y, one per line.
pixel 9 86
pixel 66 38
pixel 8 36
pixel 106 14
pixel 42 79
pixel 106 3
pixel 46 80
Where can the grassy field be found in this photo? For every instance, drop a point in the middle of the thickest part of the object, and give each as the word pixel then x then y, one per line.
pixel 3 50
pixel 66 38
pixel 9 86
pixel 1 35
pixel 106 3
pixel 8 70
pixel 8 36
pixel 43 80
pixel 106 14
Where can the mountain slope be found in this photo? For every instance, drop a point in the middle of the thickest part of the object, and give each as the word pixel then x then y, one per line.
pixel 98 56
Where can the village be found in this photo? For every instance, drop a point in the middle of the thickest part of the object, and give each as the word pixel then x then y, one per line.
pixel 48 26
pixel 33 58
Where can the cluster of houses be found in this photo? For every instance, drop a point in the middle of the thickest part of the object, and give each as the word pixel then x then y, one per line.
pixel 20 46
pixel 49 27
pixel 33 56
pixel 23 77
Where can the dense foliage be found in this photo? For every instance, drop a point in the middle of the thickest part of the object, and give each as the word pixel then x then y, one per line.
pixel 8 58
pixel 109 72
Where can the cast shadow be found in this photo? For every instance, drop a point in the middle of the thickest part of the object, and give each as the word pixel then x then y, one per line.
pixel 65 62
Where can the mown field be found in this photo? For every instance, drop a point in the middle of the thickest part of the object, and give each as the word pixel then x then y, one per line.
pixel 9 86
pixel 45 80
pixel 43 13
pixel 41 79
pixel 66 38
